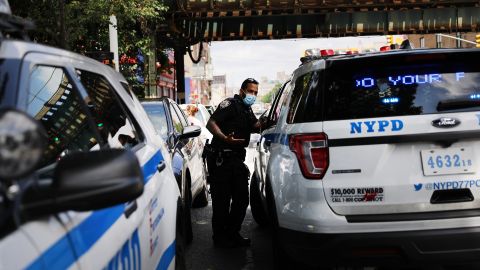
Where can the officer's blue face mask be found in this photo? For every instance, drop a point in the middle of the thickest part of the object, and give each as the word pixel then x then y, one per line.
pixel 249 99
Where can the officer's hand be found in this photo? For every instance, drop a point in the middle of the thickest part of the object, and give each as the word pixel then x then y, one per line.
pixel 231 140
pixel 263 121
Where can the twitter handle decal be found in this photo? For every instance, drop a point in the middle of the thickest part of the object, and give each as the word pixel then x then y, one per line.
pixel 447 185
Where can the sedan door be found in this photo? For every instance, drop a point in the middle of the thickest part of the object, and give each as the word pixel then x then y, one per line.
pixel 195 148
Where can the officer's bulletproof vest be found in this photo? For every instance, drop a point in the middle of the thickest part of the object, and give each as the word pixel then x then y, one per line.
pixel 239 125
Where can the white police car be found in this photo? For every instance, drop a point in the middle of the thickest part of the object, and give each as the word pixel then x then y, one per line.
pixel 71 194
pixel 373 159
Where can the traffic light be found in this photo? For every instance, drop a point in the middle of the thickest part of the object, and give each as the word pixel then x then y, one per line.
pixel 102 56
pixel 389 39
pixel 477 40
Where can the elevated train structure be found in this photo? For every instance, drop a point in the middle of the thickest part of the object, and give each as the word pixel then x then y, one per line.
pixel 193 21
pixel 213 20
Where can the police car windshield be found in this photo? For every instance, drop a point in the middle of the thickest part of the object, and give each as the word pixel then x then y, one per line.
pixel 156 114
pixel 395 87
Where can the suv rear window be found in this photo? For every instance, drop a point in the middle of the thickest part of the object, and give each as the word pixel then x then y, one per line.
pixel 396 85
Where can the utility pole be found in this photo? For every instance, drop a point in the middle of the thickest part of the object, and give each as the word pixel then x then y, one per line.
pixel 459 40
pixel 180 71
pixel 151 67
pixel 113 36
pixel 439 41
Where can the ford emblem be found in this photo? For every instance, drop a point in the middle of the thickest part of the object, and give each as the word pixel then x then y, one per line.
pixel 445 122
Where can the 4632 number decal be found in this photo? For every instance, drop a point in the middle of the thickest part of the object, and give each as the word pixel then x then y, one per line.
pixel 447 161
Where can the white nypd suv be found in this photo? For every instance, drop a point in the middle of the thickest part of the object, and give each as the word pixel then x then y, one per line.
pixel 85 182
pixel 373 159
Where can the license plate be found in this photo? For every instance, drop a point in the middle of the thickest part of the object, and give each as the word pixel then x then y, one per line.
pixel 447 161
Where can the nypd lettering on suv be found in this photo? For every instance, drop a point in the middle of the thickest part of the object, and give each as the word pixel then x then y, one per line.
pixel 370 126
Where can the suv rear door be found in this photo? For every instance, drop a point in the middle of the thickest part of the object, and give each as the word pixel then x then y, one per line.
pixel 403 132
pixel 268 135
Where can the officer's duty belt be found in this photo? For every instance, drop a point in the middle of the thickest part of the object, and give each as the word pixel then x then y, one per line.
pixel 226 153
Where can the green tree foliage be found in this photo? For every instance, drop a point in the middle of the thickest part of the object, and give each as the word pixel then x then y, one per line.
pixel 268 97
pixel 45 14
pixel 82 25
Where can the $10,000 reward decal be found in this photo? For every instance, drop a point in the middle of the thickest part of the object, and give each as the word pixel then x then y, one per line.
pixel 346 195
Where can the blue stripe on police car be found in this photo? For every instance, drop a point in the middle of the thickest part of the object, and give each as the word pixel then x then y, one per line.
pixel 87 233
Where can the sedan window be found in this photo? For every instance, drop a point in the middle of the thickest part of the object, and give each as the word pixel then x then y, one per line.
pixel 156 114
pixel 177 124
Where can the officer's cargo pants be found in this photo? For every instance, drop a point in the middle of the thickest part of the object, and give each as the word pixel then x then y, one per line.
pixel 229 182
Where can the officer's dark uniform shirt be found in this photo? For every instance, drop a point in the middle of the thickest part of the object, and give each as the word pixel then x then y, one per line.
pixel 232 115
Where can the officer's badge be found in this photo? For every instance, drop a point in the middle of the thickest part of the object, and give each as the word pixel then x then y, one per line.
pixel 224 104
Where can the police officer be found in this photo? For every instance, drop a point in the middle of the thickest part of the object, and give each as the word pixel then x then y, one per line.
pixel 231 125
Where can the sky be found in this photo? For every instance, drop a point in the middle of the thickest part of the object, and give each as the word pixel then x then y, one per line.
pixel 243 59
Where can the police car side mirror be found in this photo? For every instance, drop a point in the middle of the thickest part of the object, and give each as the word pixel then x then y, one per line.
pixel 190 132
pixel 85 181
pixel 22 142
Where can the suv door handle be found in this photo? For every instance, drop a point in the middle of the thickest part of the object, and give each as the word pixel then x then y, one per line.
pixel 161 166
pixel 267 143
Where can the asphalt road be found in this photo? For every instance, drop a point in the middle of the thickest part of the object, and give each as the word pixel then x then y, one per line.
pixel 202 255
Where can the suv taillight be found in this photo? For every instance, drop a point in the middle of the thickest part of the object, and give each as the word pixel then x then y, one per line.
pixel 312 153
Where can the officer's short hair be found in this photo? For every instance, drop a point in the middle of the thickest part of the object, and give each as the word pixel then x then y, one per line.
pixel 247 81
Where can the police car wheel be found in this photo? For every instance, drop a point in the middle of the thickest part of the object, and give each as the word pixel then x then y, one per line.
pixel 202 198
pixel 179 239
pixel 256 206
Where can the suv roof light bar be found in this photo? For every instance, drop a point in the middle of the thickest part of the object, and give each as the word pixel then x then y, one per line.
pixel 315 53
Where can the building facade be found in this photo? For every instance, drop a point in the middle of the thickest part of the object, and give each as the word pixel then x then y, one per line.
pixel 198 76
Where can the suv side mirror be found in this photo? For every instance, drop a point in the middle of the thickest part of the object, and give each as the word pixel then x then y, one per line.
pixel 85 181
pixel 22 142
pixel 190 132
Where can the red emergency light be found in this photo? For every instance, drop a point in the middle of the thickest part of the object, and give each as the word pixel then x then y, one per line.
pixel 327 52
pixel 385 48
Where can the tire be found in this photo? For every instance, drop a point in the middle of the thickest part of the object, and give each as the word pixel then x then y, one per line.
pixel 258 211
pixel 179 239
pixel 202 198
